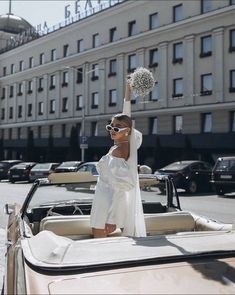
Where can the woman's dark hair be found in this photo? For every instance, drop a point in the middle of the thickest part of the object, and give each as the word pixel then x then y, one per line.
pixel 124 118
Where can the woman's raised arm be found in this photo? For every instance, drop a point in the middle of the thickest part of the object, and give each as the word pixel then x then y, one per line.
pixel 127 99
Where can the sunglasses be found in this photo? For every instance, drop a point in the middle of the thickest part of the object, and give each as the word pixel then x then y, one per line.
pixel 115 129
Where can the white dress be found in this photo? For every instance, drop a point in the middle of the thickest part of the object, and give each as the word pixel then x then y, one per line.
pixel 117 197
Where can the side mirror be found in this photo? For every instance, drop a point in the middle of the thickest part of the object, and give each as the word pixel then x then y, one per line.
pixel 8 209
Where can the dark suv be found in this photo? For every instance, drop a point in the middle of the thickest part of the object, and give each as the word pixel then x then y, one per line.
pixel 5 165
pixel 223 175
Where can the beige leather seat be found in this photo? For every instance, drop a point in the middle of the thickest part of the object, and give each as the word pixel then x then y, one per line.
pixel 78 226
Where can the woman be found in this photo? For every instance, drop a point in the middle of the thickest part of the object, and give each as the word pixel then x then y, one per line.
pixel 117 200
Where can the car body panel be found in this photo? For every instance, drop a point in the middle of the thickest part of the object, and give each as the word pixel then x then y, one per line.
pixel 184 172
pixel 223 175
pixel 5 165
pixel 42 170
pixel 211 276
pixel 69 166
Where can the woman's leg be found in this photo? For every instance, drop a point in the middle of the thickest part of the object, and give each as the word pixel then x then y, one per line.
pixel 99 232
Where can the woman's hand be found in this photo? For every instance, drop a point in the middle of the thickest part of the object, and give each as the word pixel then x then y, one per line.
pixel 109 228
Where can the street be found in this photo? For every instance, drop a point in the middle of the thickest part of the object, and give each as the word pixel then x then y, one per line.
pixel 219 208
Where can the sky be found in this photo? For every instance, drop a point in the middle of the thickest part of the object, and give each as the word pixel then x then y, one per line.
pixel 36 12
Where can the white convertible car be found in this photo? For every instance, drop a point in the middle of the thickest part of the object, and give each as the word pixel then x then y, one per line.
pixel 51 249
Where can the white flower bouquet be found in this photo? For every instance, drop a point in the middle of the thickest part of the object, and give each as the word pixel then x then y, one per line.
pixel 141 81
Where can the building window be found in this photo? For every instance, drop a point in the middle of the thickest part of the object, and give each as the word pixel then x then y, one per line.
pixel 63 130
pixel 4 71
pixel 65 104
pixel 95 72
pixel 52 106
pixel 40 84
pixel 177 53
pixel 21 66
pixel 206 6
pixel 52 82
pixel 178 87
pixel 40 108
pixel 80 46
pixel 11 90
pixel 132 30
pixel 41 58
pixel 79 104
pixel 231 40
pixel 11 113
pixel 94 129
pixel 206 122
pixel 178 124
pixel 53 54
pixel 206 46
pixel 20 89
pixel 113 34
pixel 12 69
pixel 153 126
pixel 31 62
pixel 232 116
pixel 66 50
pixel 232 81
pixel 19 133
pixel 30 87
pixel 153 21
pixel 153 96
pixel 20 111
pixel 132 62
pixel 79 75
pixel 30 108
pixel 65 79
pixel 112 97
pixel 153 58
pixel 2 114
pixel 112 67
pixel 95 40
pixel 3 93
pixel 51 131
pixel 95 100
pixel 232 2
pixel 177 13
pixel 206 84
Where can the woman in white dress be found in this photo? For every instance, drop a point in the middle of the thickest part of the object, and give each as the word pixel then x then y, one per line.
pixel 117 201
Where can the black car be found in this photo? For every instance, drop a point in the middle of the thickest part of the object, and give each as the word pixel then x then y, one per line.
pixel 192 176
pixel 69 166
pixel 20 172
pixel 223 175
pixel 5 165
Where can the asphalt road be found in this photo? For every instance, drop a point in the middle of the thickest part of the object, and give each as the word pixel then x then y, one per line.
pixel 219 208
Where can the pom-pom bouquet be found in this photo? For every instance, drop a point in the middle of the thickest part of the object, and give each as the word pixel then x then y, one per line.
pixel 141 81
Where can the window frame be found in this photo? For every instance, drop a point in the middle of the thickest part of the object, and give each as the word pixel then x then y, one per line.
pixel 130 68
pixel 65 50
pixel 151 21
pixel 112 101
pixel 152 63
pixel 52 106
pixel 203 52
pixel 80 45
pixel 95 40
pixel 175 9
pixel 94 97
pixel 175 94
pixel 232 40
pixel 113 34
pixel 206 92
pixel 65 105
pixel 204 128
pixel 232 80
pixel 203 6
pixel 178 124
pixel 177 59
pixel 132 29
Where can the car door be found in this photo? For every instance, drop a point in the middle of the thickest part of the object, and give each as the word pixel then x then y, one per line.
pixel 202 172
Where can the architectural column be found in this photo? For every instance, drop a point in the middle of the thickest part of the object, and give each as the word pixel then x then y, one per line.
pixel 23 97
pixel 218 62
pixel 57 91
pixel 140 57
pixel 122 73
pixel 163 76
pixel 102 86
pixel 189 70
pixel 34 98
pixel 46 85
pixel 86 93
pixel 72 73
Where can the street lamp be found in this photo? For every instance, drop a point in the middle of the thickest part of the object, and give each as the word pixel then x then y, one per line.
pixel 83 138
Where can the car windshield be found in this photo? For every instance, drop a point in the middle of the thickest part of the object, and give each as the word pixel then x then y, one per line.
pixel 68 164
pixel 226 165
pixel 21 166
pixel 42 166
pixel 175 166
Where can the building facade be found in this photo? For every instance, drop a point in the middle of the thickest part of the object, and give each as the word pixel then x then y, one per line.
pixel 64 86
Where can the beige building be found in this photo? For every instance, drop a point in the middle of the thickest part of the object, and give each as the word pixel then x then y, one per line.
pixel 75 74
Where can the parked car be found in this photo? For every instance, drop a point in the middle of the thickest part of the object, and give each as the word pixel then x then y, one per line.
pixel 223 175
pixel 42 170
pixel 88 167
pixel 69 166
pixel 20 171
pixel 50 249
pixel 5 165
pixel 192 176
